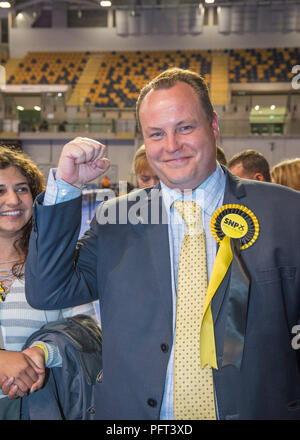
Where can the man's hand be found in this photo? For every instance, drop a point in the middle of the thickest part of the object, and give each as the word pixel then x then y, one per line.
pixel 81 161
pixel 18 373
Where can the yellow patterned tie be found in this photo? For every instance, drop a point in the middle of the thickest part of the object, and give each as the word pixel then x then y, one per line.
pixel 193 386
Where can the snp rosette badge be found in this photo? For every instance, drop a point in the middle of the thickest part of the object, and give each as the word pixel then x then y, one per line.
pixel 235 221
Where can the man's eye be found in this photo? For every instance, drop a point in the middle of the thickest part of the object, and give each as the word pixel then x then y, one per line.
pixel 186 128
pixel 156 134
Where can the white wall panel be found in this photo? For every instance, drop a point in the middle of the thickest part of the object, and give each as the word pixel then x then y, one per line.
pixel 237 19
pixel 21 40
pixel 224 14
pixel 122 21
pixel 264 18
pixel 250 18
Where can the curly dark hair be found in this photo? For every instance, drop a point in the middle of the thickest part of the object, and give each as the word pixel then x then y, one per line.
pixel 13 158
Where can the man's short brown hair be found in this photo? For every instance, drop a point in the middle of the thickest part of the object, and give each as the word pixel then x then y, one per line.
pixel 168 79
pixel 221 157
pixel 253 162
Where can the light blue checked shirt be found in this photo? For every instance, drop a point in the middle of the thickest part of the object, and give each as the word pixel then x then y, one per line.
pixel 58 191
pixel 209 195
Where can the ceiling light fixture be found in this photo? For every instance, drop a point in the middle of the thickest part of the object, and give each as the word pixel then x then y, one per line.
pixel 105 3
pixel 5 5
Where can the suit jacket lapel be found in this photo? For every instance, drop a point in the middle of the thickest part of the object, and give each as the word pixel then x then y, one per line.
pixel 234 192
pixel 154 229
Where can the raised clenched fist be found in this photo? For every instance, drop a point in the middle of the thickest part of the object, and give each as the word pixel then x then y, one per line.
pixel 81 161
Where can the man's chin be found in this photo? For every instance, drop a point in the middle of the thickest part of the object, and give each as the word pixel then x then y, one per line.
pixel 180 184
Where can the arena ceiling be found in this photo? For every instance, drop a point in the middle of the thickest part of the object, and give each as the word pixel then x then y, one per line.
pixel 19 5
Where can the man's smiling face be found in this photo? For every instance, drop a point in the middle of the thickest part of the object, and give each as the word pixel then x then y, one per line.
pixel 179 139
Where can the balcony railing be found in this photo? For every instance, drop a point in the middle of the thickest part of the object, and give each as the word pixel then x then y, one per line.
pixel 119 128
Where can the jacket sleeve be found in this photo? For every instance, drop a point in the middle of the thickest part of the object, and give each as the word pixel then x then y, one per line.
pixel 80 333
pixel 59 272
pixel 68 391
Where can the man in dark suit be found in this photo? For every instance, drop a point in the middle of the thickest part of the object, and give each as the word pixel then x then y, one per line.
pixel 250 164
pixel 129 261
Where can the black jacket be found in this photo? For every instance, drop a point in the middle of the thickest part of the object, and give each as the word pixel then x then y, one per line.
pixel 68 390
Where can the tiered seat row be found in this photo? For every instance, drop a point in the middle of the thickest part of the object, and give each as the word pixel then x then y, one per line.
pixel 3 60
pixel 123 74
pixel 262 65
pixel 50 68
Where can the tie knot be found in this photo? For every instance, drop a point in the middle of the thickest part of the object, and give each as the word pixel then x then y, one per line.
pixel 191 213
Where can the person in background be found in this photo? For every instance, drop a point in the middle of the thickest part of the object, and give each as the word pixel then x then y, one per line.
pixel 145 176
pixel 287 173
pixel 221 157
pixel 250 164
pixel 20 182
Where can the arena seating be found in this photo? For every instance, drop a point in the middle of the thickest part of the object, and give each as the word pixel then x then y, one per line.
pixel 121 75
pixel 49 68
pixel 3 60
pixel 262 65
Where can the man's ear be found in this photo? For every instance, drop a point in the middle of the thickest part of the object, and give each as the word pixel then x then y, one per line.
pixel 258 176
pixel 215 125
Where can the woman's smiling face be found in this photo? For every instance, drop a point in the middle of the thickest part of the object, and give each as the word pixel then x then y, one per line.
pixel 15 201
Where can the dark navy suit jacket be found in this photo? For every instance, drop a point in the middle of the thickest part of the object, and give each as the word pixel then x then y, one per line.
pixel 68 391
pixel 127 266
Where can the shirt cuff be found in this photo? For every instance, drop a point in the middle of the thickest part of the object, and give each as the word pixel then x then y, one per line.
pixel 58 191
pixel 53 355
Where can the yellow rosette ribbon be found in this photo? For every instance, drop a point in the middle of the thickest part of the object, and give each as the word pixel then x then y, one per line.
pixel 235 227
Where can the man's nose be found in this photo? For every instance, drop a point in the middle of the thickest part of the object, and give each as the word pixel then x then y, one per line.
pixel 172 143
